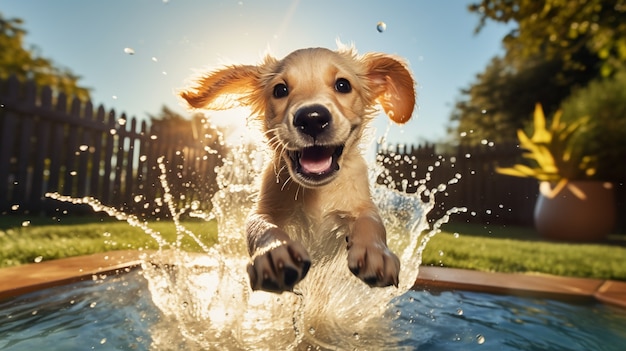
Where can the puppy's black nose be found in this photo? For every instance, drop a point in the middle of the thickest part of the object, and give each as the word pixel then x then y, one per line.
pixel 312 120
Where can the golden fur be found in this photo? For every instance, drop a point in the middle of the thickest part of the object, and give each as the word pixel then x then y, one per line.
pixel 313 105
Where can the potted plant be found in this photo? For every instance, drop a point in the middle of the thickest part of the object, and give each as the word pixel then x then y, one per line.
pixel 571 205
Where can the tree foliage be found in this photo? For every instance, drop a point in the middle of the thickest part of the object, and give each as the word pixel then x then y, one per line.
pixel 502 98
pixel 27 64
pixel 557 47
pixel 559 29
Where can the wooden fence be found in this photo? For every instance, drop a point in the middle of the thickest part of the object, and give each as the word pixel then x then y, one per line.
pixel 49 143
pixel 470 180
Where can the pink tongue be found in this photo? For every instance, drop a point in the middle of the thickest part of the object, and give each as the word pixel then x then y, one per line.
pixel 316 160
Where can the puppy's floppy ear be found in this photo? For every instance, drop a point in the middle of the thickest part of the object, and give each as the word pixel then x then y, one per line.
pixel 223 89
pixel 392 85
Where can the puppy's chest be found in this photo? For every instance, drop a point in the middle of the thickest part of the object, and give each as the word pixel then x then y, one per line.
pixel 321 222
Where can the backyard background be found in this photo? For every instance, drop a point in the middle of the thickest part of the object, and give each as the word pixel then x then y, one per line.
pixel 52 143
pixel 55 137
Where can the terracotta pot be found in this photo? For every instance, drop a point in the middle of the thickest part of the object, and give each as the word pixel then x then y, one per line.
pixel 575 210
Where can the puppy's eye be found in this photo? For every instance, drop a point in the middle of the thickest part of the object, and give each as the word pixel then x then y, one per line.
pixel 343 86
pixel 280 91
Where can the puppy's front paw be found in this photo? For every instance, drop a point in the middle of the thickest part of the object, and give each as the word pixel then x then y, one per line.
pixel 279 266
pixel 374 264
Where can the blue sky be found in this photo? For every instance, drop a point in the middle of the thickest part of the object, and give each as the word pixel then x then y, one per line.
pixel 172 39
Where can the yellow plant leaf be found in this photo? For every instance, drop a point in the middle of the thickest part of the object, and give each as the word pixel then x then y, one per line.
pixel 541 134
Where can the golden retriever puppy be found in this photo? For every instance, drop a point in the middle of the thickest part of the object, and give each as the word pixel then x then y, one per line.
pixel 313 105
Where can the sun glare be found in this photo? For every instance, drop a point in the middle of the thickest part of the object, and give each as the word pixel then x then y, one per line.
pixel 236 125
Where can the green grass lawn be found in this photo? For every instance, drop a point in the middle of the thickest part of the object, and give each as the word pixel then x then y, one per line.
pixel 493 248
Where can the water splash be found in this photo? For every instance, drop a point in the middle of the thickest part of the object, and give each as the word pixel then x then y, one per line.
pixel 206 300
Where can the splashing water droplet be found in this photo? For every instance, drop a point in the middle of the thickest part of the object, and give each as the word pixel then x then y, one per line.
pixel 25 223
pixel 480 339
pixel 129 51
pixel 38 259
pixel 83 148
pixel 459 312
pixel 381 27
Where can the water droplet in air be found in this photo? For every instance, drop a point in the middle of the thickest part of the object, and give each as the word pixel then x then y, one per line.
pixel 38 259
pixel 154 59
pixel 459 311
pixel 93 304
pixel 103 341
pixel 129 51
pixel 381 27
pixel 15 207
pixel 25 223
pixel 480 339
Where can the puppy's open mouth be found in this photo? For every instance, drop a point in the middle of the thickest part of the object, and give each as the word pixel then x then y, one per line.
pixel 316 163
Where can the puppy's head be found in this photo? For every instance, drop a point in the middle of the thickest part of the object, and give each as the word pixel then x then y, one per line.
pixel 313 103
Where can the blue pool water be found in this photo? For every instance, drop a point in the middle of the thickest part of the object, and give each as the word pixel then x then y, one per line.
pixel 117 313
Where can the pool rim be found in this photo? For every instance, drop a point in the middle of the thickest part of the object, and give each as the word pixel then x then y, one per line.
pixel 19 280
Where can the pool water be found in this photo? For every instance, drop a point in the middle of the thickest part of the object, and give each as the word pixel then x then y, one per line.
pixel 117 313
pixel 114 313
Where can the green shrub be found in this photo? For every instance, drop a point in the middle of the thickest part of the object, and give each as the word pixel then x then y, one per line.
pixel 604 101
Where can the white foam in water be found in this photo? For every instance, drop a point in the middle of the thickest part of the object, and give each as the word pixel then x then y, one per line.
pixel 206 299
